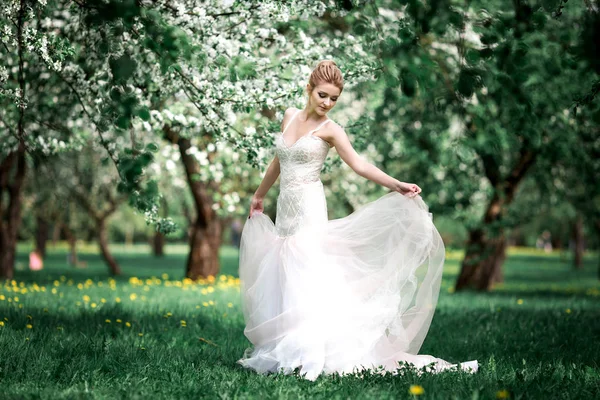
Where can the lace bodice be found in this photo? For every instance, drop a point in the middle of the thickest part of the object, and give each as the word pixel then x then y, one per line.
pixel 302 161
pixel 301 200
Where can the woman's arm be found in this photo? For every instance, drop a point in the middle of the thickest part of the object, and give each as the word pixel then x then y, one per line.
pixel 269 178
pixel 336 135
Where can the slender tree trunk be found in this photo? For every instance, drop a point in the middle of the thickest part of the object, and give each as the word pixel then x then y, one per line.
pixel 41 235
pixel 73 260
pixel 158 244
pixel 205 235
pixel 597 224
pixel 578 247
pixel 113 266
pixel 12 176
pixel 55 233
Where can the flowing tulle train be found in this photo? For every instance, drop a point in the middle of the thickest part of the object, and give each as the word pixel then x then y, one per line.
pixel 347 294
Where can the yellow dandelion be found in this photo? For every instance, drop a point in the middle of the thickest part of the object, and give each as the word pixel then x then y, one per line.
pixel 118 300
pixel 6 319
pixel 56 283
pixel 2 297
pixel 132 296
pixel 128 324
pixel 79 286
pixel 197 306
pixel 211 278
pixel 450 290
pixel 140 334
pixel 165 276
pixel 502 394
pixel 86 298
pixel 416 390
pixel 93 305
pixel 77 303
pixel 1 323
pixel 29 326
pixel 204 291
pixel 54 291
pixel 119 321
pixel 102 300
pixel 205 304
pixel 16 299
pixel 520 301
pixel 212 303
pixel 230 305
pixel 107 321
pixel 20 305
pixel 568 311
pixel 210 289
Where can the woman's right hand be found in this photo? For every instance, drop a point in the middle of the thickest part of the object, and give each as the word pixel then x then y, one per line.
pixel 256 205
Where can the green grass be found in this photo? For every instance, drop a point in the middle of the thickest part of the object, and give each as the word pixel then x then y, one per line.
pixel 535 336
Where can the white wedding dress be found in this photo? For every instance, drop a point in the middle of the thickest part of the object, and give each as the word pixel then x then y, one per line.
pixel 340 295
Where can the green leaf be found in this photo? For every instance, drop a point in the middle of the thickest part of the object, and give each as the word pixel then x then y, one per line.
pixel 153 147
pixel 144 113
pixel 122 68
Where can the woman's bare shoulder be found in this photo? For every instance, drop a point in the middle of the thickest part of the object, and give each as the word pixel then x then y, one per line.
pixel 287 115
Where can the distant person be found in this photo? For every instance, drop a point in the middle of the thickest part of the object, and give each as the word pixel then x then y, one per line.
pixel 36 262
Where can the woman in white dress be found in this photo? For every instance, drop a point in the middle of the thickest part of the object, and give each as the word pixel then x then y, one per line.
pixel 326 296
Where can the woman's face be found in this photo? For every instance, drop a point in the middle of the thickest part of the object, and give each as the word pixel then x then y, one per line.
pixel 323 97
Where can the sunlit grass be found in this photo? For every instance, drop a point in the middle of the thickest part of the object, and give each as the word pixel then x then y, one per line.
pixel 79 333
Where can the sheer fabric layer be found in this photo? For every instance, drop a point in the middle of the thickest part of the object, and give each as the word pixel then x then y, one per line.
pixel 356 292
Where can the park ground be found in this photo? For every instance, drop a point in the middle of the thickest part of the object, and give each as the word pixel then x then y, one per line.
pixel 70 333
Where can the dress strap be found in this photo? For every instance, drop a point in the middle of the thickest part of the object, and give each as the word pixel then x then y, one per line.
pixel 290 121
pixel 320 126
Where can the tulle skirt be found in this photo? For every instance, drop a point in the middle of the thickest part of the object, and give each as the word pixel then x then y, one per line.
pixel 357 292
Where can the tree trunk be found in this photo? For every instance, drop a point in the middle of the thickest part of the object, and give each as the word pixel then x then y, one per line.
pixel 203 259
pixel 597 225
pixel 578 247
pixel 482 265
pixel 73 259
pixel 486 251
pixel 10 213
pixel 113 266
pixel 205 235
pixel 158 244
pixel 41 235
pixel 56 233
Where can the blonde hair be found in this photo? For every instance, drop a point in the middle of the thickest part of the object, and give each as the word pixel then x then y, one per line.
pixel 326 71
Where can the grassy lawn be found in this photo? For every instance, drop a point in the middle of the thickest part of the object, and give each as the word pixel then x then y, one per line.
pixel 78 333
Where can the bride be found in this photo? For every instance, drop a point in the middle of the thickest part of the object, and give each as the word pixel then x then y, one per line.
pixel 326 296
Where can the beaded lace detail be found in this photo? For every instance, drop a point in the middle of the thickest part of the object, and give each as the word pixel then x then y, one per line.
pixel 300 170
